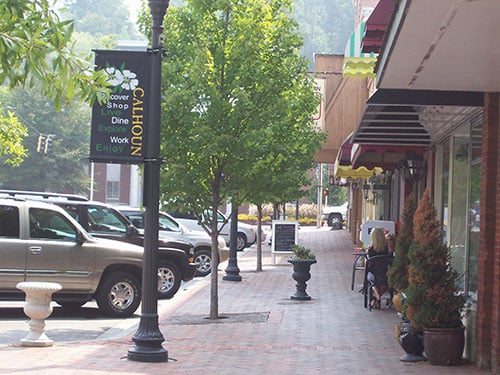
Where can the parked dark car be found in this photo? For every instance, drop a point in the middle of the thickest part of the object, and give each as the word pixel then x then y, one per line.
pixel 170 227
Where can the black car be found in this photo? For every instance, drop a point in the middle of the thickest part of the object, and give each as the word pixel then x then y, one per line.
pixel 175 257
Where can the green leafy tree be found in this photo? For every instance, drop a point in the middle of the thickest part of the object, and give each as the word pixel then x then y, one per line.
pixel 232 79
pixel 12 133
pixel 101 18
pixel 36 50
pixel 325 24
pixel 64 167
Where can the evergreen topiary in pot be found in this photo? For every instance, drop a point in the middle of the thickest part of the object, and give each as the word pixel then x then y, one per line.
pixel 433 300
pixel 398 271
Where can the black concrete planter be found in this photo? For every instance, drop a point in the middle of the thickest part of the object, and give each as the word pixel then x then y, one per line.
pixel 412 342
pixel 301 274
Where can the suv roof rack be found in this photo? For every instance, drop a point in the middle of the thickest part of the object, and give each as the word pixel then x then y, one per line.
pixel 42 194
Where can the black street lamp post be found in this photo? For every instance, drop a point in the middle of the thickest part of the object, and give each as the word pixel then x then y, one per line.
pixel 232 270
pixel 148 339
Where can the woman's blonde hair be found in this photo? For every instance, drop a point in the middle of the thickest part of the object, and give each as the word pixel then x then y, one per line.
pixel 379 242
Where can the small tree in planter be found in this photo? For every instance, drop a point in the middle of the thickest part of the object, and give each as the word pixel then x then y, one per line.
pixel 432 298
pixel 301 260
pixel 398 271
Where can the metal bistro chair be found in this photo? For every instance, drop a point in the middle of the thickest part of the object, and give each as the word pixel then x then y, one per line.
pixel 358 264
pixel 378 266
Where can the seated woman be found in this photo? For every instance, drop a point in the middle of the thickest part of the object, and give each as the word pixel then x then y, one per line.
pixel 379 258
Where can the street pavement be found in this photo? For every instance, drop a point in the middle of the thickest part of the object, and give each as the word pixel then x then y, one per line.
pixel 261 330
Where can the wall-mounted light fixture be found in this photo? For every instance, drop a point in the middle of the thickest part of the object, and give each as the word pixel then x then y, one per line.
pixel 413 166
pixel 365 188
pixel 374 185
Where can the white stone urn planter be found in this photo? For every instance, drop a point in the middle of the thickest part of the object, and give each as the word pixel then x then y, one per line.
pixel 38 308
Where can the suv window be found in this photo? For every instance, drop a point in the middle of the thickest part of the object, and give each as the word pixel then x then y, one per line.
pixel 103 220
pixel 9 222
pixel 137 220
pixel 50 225
pixel 168 224
pixel 164 221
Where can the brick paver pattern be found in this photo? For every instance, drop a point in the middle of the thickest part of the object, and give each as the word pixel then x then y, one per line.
pixel 263 331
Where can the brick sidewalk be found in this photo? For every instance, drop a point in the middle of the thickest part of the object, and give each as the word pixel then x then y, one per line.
pixel 263 330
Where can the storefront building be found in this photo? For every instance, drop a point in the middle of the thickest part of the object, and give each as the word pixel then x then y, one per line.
pixel 431 120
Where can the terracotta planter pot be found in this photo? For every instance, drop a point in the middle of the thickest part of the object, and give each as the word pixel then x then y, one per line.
pixel 444 346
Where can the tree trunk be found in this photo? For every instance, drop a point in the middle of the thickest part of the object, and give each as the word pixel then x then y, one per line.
pixel 214 281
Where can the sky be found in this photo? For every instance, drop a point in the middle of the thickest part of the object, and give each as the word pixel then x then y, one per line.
pixel 133 7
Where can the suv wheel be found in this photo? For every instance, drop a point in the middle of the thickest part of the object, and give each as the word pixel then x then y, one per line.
pixel 335 221
pixel 119 294
pixel 241 241
pixel 169 279
pixel 203 260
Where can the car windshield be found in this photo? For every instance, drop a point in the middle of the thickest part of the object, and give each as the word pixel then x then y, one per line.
pixel 167 223
pixel 102 219
pixel 220 217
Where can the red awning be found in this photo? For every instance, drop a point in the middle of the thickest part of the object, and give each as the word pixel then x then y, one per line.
pixel 384 156
pixel 344 154
pixel 376 25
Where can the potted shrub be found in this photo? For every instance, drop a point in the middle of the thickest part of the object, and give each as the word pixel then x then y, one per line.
pixel 398 271
pixel 301 260
pixel 433 302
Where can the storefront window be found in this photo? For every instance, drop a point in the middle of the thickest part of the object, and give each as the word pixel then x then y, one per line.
pixel 461 206
pixel 474 213
pixel 459 162
pixel 445 175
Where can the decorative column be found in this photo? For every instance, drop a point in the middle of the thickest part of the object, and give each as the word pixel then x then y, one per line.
pixel 38 308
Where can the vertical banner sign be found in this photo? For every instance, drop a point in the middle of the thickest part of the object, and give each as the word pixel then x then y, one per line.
pixel 319 116
pixel 118 133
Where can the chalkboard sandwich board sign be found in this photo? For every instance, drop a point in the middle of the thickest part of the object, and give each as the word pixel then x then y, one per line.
pixel 284 235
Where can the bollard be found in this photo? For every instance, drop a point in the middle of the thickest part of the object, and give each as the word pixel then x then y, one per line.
pixel 38 308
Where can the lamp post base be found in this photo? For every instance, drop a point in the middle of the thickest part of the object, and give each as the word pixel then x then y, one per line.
pixel 148 340
pixel 232 271
pixel 147 354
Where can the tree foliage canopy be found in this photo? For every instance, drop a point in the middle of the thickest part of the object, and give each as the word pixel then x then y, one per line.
pixel 37 51
pixel 238 100
pixel 64 167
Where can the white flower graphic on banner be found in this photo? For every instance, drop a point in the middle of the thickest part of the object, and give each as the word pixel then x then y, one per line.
pixel 121 79
pixel 130 82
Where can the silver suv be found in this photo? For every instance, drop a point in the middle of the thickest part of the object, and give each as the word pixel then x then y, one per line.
pixel 41 242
